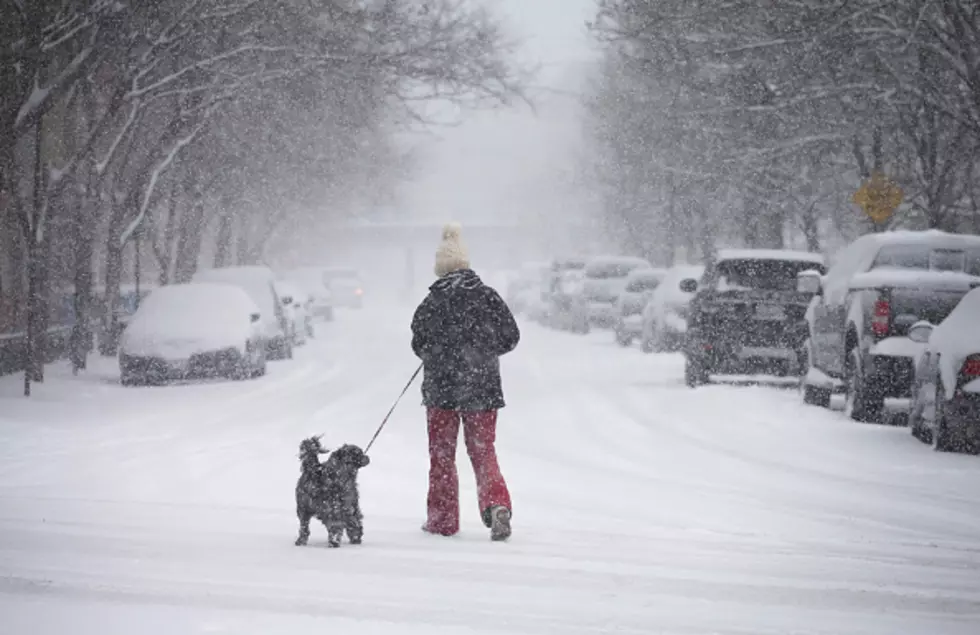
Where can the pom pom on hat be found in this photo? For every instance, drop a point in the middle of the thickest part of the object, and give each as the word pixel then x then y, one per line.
pixel 451 255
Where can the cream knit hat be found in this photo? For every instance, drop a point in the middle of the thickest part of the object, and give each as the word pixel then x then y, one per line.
pixel 451 254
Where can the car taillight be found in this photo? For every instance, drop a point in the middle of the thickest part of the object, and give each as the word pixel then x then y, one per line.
pixel 971 367
pixel 880 318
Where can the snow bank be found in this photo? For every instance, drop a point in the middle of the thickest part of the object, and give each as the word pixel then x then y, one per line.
pixel 177 321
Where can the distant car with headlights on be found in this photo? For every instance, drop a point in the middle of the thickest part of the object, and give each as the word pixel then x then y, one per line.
pixel 640 285
pixel 345 286
pixel 193 331
pixel 945 404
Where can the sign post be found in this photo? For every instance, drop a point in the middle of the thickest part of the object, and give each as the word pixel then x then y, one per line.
pixel 879 197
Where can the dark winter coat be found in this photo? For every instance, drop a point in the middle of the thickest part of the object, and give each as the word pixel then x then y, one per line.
pixel 459 332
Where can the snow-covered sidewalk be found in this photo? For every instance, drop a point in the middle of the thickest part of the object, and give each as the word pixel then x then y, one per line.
pixel 640 506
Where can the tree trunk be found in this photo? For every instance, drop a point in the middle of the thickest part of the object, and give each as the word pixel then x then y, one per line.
pixel 108 341
pixel 189 241
pixel 223 241
pixel 83 244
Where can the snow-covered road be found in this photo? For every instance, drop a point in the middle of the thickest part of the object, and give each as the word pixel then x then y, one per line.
pixel 640 506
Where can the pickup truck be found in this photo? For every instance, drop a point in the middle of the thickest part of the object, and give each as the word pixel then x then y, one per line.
pixel 858 321
pixel 747 314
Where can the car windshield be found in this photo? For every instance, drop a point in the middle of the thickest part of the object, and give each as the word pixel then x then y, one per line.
pixel 768 275
pixel 925 257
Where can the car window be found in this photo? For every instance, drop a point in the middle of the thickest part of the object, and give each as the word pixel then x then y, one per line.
pixel 752 274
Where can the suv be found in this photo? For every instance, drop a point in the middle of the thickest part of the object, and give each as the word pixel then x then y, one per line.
pixel 747 314
pixel 859 319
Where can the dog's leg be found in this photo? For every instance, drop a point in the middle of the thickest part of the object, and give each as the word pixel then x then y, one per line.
pixel 334 522
pixel 304 527
pixel 355 525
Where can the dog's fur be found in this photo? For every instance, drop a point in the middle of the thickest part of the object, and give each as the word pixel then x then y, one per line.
pixel 328 491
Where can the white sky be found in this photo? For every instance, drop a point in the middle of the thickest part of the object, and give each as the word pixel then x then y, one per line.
pixel 510 165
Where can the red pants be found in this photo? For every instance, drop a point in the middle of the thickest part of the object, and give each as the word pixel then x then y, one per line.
pixel 479 432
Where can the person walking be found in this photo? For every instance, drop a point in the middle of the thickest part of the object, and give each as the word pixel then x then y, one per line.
pixel 460 331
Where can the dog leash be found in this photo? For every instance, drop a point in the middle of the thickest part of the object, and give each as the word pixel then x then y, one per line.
pixel 393 406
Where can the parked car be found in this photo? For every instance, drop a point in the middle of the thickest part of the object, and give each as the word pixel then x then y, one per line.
pixel 640 285
pixel 296 303
pixel 664 318
pixel 312 280
pixel 858 321
pixel 259 283
pixel 525 286
pixel 196 330
pixel 566 304
pixel 605 279
pixel 747 314
pixel 945 407
pixel 123 308
pixel 345 286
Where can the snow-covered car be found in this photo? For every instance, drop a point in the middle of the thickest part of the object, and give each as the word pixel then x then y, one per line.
pixel 566 306
pixel 312 280
pixel 605 279
pixel 259 283
pixel 665 315
pixel 640 285
pixel 195 330
pixel 525 287
pixel 345 286
pixel 945 406
pixel 879 286
pixel 296 304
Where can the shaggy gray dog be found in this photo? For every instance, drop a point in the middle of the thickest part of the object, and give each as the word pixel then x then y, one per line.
pixel 328 491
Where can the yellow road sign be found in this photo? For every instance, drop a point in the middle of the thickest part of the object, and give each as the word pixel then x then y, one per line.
pixel 879 197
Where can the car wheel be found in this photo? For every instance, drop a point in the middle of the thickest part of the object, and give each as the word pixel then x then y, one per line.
pixel 130 380
pixel 942 439
pixel 812 395
pixel 622 337
pixel 861 403
pixel 696 372
pixel 916 429
pixel 646 344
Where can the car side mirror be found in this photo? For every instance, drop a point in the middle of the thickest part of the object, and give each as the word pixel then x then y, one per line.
pixel 921 332
pixel 809 282
pixel 688 285
pixel 255 317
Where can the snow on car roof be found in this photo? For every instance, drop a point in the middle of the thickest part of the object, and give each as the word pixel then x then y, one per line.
pixel 193 300
pixel 914 278
pixel 935 237
pixel 617 260
pixel 770 254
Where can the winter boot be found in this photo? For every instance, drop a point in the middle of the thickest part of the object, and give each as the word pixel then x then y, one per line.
pixel 499 523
